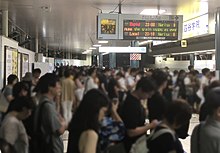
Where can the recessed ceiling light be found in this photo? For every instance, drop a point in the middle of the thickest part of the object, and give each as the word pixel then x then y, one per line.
pixel 92 48
pixel 152 12
pixel 97 45
pixel 103 42
pixel 87 51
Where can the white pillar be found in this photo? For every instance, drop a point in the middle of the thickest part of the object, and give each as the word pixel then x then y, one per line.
pixel 5 23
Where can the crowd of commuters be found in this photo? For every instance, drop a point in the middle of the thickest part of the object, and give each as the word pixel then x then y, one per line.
pixel 106 110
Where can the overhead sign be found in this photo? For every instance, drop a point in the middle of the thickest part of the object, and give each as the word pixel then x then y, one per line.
pixel 196 26
pixel 154 30
pixel 107 26
pixel 122 49
pixel 135 57
pixel 141 27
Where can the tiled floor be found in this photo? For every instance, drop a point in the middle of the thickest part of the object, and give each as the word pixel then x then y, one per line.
pixel 186 143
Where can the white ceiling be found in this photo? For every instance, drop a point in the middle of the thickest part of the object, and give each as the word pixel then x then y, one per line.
pixel 71 24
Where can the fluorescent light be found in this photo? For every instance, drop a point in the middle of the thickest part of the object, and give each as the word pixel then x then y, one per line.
pixel 122 49
pixel 103 42
pixel 92 48
pixel 105 53
pixel 152 12
pixel 97 45
pixel 145 42
pixel 87 51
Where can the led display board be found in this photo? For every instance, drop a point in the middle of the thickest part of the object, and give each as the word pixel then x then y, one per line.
pixel 156 27
pixel 140 27
pixel 154 30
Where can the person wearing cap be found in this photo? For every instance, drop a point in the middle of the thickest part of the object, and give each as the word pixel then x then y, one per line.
pixel 205 137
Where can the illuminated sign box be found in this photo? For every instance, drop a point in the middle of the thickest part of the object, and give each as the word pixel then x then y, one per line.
pixel 122 49
pixel 154 27
pixel 107 26
pixel 196 26
pixel 140 27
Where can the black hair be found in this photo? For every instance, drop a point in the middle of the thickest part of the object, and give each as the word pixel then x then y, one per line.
pixel 37 70
pixel 18 87
pixel 19 103
pixel 86 116
pixel 46 81
pixel 146 84
pixel 106 70
pixel 91 70
pixel 78 74
pixel 178 113
pixel 11 78
pixel 133 70
pixel 175 72
pixel 67 73
pixel 212 99
pixel 211 86
pixel 205 70
pixel 159 76
pixel 190 67
pixel 120 74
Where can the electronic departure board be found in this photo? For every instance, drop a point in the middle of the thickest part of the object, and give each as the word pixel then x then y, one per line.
pixel 139 27
pixel 154 30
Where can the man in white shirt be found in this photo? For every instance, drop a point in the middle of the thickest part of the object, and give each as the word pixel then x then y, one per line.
pixel 204 82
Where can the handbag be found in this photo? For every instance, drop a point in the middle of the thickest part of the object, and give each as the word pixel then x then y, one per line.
pixel 3 103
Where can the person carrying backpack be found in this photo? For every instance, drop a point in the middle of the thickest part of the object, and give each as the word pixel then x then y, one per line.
pixel 48 123
pixel 177 115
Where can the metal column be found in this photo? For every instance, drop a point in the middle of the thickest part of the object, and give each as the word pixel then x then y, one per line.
pixel 217 43
pixel 192 59
pixel 112 60
pixel 100 62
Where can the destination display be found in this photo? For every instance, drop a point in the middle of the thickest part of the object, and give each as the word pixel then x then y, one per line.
pixel 153 30
pixel 139 27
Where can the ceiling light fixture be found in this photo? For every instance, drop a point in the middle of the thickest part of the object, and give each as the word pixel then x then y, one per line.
pixel 103 42
pixel 152 12
pixel 97 45
pixel 92 48
pixel 87 51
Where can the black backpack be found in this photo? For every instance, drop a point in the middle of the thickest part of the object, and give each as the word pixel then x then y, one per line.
pixel 40 142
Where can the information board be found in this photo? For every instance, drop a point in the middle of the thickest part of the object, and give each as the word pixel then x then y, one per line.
pixel 10 62
pixel 140 27
pixel 153 30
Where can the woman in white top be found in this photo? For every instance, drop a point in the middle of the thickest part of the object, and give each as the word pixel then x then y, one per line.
pixel 91 81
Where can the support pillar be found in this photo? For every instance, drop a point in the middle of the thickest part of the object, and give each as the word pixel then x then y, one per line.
pixel 47 50
pixel 100 60
pixel 217 43
pixel 112 60
pixel 134 64
pixel 191 59
pixel 5 23
pixel 36 45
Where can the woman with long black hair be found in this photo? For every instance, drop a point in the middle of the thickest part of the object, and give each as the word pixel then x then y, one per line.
pixel 85 124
